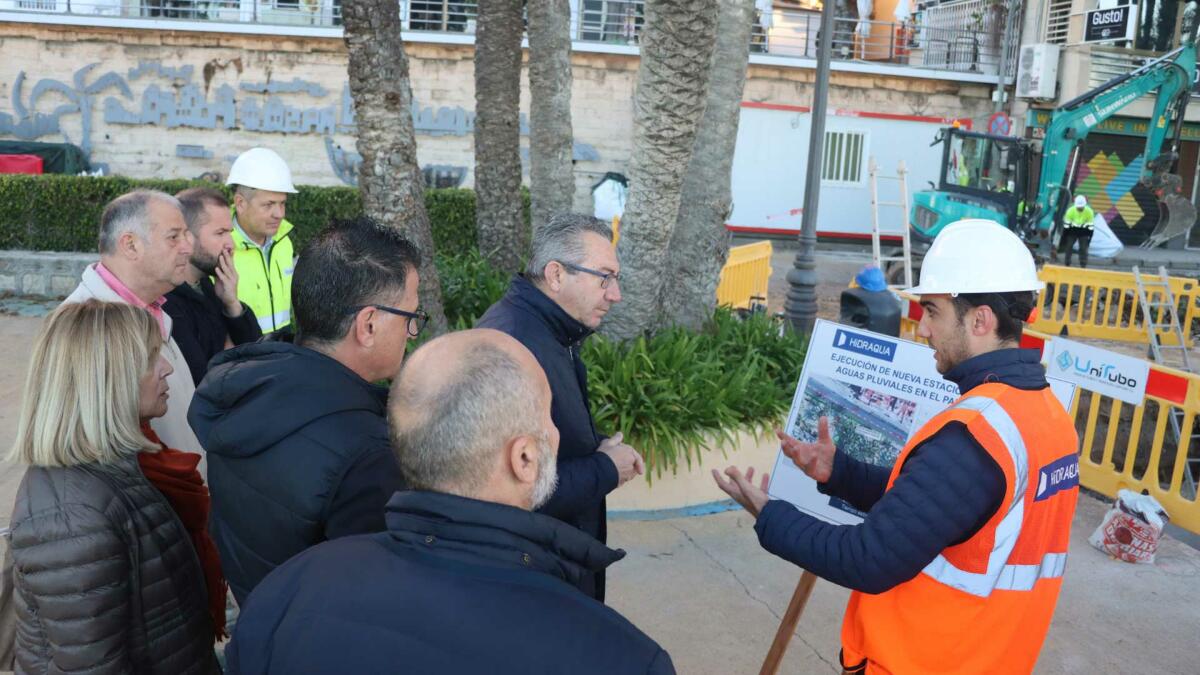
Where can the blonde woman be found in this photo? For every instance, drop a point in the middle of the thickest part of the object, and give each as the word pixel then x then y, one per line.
pixel 106 579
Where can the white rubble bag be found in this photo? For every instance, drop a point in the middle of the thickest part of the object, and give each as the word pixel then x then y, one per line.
pixel 608 196
pixel 1131 529
pixel 1104 243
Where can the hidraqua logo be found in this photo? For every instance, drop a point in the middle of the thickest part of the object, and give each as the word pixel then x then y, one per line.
pixel 1099 370
pixel 1062 474
pixel 865 345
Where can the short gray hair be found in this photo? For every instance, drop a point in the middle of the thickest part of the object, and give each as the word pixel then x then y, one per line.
pixel 245 191
pixel 445 437
pixel 129 213
pixel 561 239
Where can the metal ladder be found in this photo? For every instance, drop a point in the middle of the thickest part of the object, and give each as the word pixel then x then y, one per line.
pixel 1160 287
pixel 876 248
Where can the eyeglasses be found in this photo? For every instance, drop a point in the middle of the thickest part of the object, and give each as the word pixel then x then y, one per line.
pixel 418 318
pixel 606 278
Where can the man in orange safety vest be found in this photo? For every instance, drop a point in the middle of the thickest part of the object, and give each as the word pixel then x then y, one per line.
pixel 958 564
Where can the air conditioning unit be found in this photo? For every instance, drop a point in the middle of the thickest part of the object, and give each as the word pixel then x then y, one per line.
pixel 1037 71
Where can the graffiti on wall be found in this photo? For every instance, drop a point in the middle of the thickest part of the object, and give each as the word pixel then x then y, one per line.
pixel 171 98
pixel 27 122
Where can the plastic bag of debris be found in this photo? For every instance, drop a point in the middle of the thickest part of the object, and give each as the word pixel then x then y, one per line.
pixel 1131 529
pixel 1104 243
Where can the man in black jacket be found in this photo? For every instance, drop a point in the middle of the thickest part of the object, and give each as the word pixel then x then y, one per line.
pixel 570 283
pixel 296 433
pixel 207 317
pixel 465 580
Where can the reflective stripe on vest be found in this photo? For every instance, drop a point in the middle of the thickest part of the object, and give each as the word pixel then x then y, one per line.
pixel 1000 575
pixel 268 323
pixel 983 605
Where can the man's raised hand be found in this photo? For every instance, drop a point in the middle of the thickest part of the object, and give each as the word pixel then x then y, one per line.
pixel 743 490
pixel 814 459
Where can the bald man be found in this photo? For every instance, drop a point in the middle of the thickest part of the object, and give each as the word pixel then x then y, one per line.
pixel 467 578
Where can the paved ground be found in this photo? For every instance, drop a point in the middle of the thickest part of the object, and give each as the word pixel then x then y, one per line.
pixel 16 340
pixel 834 271
pixel 704 589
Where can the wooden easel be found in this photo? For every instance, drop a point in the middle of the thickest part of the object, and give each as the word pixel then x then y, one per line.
pixel 787 625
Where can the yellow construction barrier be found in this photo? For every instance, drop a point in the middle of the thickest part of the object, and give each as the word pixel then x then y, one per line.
pixel 746 275
pixel 1126 446
pixel 1104 304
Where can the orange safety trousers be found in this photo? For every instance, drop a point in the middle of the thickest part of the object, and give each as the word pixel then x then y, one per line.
pixel 983 606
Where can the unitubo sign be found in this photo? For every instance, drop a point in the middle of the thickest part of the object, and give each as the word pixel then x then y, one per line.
pixel 1106 25
pixel 1099 370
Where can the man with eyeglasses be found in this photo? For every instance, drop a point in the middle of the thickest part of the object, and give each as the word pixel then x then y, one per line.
pixel 296 434
pixel 570 283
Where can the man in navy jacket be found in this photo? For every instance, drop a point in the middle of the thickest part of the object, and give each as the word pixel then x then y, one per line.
pixel 570 283
pixel 296 434
pixel 466 579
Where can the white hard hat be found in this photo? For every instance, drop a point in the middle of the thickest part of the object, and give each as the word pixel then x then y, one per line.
pixel 1080 202
pixel 261 169
pixel 977 256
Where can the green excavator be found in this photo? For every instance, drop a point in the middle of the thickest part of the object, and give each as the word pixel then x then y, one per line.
pixel 986 176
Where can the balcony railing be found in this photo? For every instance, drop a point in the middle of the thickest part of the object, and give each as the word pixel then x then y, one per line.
pixel 939 39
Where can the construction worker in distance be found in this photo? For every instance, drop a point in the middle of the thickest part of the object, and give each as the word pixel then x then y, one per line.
pixel 1078 226
pixel 959 561
pixel 262 246
pixel 1006 185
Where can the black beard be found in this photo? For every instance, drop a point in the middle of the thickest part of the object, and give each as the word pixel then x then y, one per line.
pixel 206 264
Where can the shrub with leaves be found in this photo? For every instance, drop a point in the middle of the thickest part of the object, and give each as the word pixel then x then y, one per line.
pixel 678 392
pixel 469 286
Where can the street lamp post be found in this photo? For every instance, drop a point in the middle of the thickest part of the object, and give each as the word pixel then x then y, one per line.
pixel 800 308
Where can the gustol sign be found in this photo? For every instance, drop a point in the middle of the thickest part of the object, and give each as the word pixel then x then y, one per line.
pixel 1107 25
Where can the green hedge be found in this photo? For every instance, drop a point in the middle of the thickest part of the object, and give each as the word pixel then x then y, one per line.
pixel 62 213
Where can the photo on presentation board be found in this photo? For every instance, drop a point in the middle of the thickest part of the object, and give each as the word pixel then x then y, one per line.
pixel 866 424
pixel 869 425
pixel 876 391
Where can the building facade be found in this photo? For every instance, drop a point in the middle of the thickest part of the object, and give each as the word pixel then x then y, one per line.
pixel 178 88
pixel 1109 162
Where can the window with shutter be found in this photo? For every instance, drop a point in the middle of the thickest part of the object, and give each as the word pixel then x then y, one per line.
pixel 842 160
pixel 1058 13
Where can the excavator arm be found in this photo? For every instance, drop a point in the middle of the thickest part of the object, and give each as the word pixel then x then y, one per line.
pixel 1170 79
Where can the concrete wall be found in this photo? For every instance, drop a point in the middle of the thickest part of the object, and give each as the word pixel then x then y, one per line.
pixel 46 275
pixel 149 103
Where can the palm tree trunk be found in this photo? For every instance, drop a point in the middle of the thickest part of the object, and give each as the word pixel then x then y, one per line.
pixel 668 105
pixel 551 172
pixel 390 181
pixel 700 244
pixel 499 216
